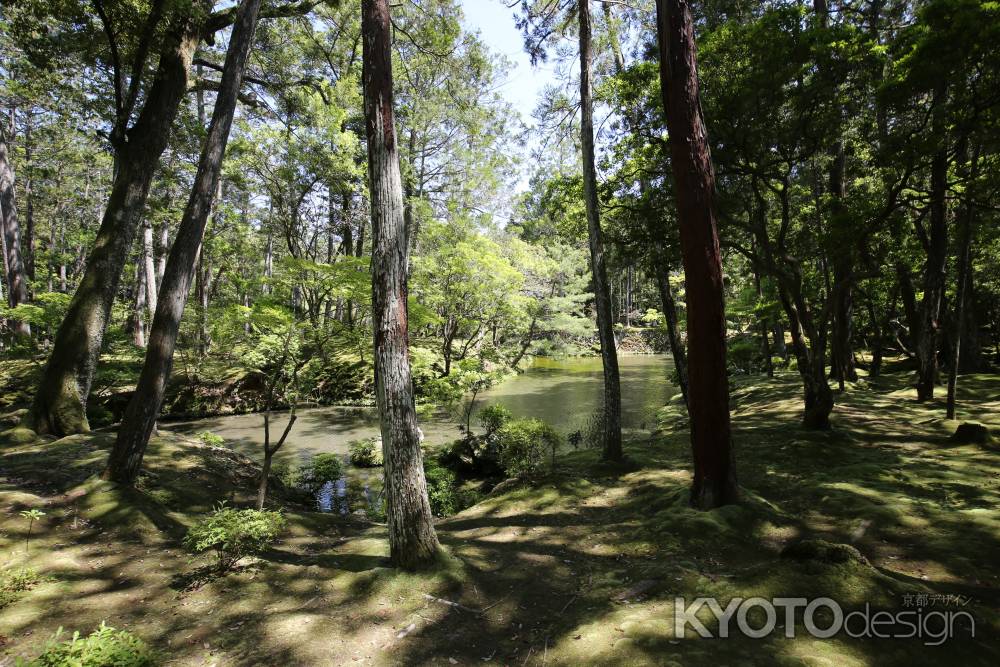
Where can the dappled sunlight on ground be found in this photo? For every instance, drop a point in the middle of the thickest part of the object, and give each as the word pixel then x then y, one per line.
pixel 579 568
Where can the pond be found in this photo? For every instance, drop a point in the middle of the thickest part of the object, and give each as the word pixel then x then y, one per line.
pixel 563 392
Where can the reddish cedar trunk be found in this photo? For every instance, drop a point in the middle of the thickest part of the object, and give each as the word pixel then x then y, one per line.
pixel 59 407
pixel 612 417
pixel 694 179
pixel 412 540
pixel 17 282
pixel 140 416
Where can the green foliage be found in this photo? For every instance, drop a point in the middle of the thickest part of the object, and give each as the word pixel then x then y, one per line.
pixel 211 439
pixel 235 534
pixel 443 488
pixel 366 453
pixel 524 445
pixel 493 417
pixel 31 516
pixel 321 469
pixel 14 582
pixel 105 647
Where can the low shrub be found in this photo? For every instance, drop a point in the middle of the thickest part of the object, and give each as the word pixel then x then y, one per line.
pixel 366 453
pixel 321 469
pixel 524 446
pixel 493 417
pixel 443 489
pixel 235 534
pixel 212 440
pixel 15 582
pixel 105 647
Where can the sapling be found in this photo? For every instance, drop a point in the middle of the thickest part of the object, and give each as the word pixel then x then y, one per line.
pixel 32 516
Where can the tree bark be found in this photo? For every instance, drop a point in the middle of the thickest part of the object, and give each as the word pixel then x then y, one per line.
pixel 59 406
pixel 612 416
pixel 937 255
pixel 677 350
pixel 17 280
pixel 412 540
pixel 694 182
pixel 964 259
pixel 140 416
pixel 148 267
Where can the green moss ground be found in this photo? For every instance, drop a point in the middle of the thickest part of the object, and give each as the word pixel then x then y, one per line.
pixel 580 568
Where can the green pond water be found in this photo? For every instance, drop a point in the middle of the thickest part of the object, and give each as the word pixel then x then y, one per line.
pixel 563 392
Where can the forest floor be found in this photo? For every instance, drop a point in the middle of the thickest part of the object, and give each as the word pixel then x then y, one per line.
pixel 579 568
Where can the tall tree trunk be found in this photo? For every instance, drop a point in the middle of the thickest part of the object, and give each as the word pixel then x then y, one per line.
pixel 140 416
pixel 937 257
pixel 964 259
pixel 17 280
pixel 842 366
pixel 412 540
pixel 612 417
pixel 29 199
pixel 694 182
pixel 59 406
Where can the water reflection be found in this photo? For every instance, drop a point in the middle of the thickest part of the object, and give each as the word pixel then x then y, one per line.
pixel 563 392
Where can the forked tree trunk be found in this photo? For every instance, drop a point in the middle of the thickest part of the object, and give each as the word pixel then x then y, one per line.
pixel 612 417
pixel 694 182
pixel 140 416
pixel 412 540
pixel 59 406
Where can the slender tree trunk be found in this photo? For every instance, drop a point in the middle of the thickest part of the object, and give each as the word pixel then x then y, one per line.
pixel 841 353
pixel 29 200
pixel 138 309
pixel 162 252
pixel 937 258
pixel 148 267
pixel 677 350
pixel 612 416
pixel 140 416
pixel 17 280
pixel 59 406
pixel 765 345
pixel 694 183
pixel 412 540
pixel 964 259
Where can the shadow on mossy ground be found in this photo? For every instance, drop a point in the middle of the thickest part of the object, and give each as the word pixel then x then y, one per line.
pixel 580 568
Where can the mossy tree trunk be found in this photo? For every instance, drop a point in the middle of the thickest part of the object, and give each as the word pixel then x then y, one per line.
pixel 59 406
pixel 140 416
pixel 17 280
pixel 412 540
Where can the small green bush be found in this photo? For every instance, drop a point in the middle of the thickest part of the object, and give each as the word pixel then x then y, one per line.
pixel 441 487
pixel 105 647
pixel 212 440
pixel 366 453
pixel 15 582
pixel 235 534
pixel 524 446
pixel 285 473
pixel 493 417
pixel 321 469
